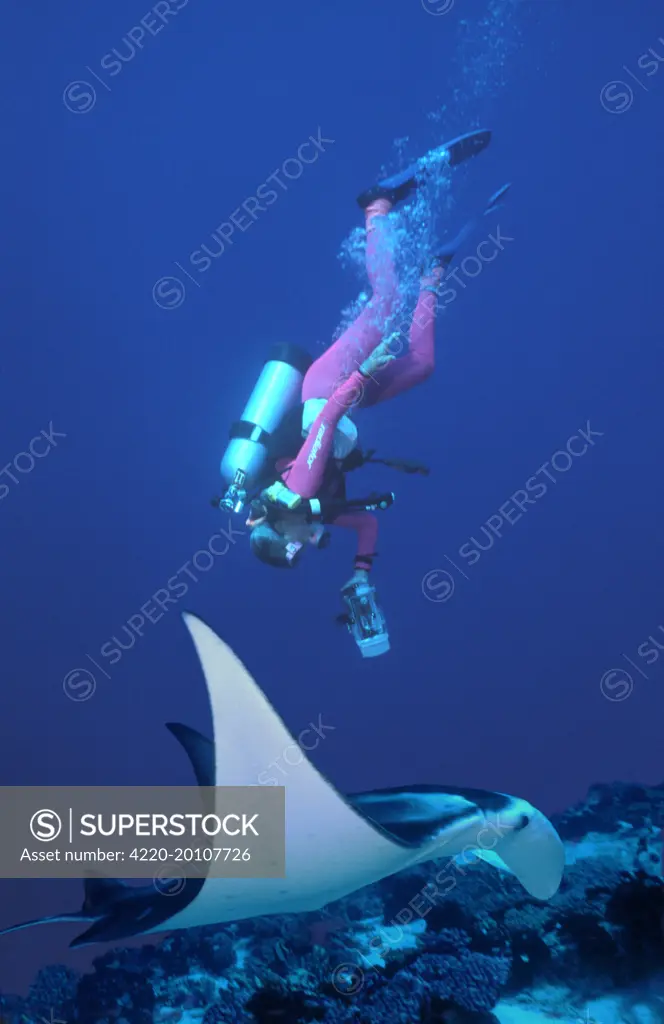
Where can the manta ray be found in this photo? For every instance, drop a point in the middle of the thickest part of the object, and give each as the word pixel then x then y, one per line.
pixel 335 843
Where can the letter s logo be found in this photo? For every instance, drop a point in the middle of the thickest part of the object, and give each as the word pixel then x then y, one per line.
pixel 45 825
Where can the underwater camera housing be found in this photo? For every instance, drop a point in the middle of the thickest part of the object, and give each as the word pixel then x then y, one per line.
pixel 365 620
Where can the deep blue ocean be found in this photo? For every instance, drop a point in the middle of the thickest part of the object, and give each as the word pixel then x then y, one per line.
pixel 525 645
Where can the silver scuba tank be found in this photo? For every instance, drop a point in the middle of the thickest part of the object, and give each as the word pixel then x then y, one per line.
pixel 278 389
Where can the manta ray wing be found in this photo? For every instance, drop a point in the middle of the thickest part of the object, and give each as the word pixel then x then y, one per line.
pixel 331 848
pixel 336 845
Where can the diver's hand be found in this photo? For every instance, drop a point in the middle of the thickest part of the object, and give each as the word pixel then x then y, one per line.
pixel 378 359
pixel 280 495
pixel 359 576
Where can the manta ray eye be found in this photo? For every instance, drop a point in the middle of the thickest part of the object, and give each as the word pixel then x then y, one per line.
pixel 523 821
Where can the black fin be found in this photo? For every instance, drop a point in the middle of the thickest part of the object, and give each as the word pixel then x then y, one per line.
pixel 100 892
pixel 96 933
pixel 199 749
pixel 141 910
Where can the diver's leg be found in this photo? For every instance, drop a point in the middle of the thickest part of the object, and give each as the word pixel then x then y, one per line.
pixel 364 334
pixel 418 363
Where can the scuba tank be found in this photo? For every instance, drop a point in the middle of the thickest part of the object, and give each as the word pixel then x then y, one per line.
pixel 278 389
pixel 365 619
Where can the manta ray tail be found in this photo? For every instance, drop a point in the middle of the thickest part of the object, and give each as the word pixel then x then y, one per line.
pixel 56 919
pixel 100 894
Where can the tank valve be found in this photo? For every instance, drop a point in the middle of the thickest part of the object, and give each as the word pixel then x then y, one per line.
pixel 235 497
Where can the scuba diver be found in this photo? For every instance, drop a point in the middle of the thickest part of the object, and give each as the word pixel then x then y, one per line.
pixel 296 441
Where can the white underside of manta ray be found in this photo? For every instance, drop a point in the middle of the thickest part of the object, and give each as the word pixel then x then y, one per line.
pixel 335 844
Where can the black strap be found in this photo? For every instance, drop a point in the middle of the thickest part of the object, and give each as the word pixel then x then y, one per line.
pixel 357 459
pixel 367 559
pixel 248 432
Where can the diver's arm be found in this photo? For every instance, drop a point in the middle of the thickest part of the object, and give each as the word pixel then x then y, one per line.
pixel 366 526
pixel 305 475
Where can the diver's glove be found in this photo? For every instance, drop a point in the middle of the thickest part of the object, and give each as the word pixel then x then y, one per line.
pixel 378 359
pixel 279 494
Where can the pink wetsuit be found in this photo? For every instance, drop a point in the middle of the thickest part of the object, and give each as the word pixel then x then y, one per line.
pixel 336 375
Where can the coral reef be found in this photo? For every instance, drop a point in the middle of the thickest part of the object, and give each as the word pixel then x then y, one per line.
pixel 390 955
